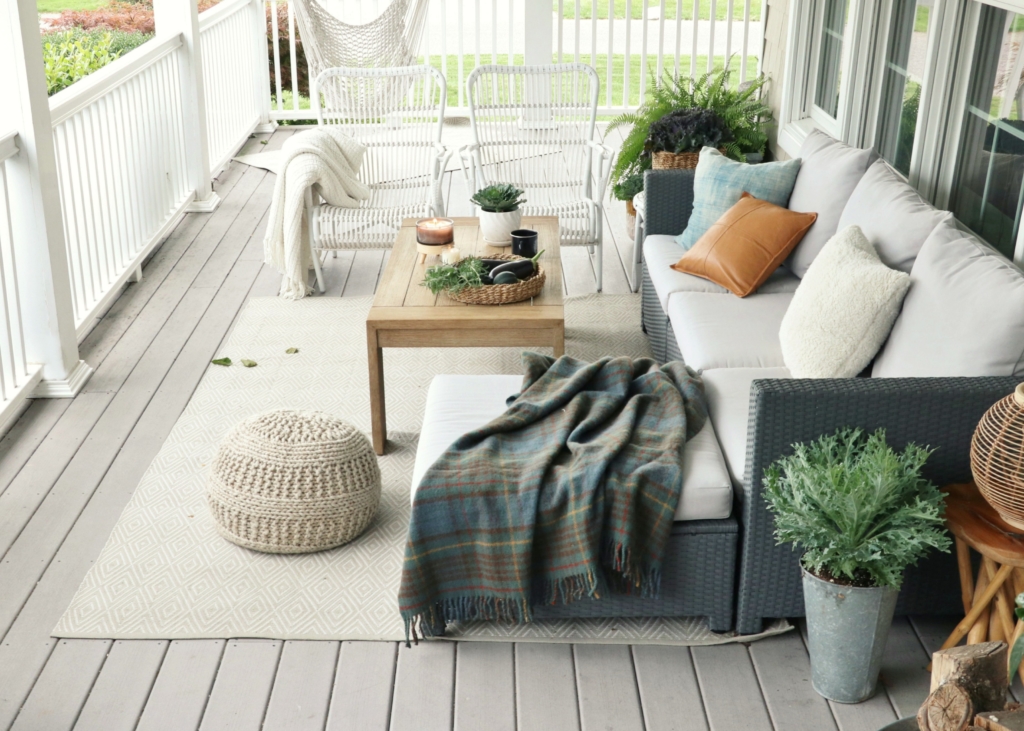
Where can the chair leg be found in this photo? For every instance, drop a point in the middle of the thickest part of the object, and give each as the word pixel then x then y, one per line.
pixel 638 253
pixel 600 265
pixel 319 271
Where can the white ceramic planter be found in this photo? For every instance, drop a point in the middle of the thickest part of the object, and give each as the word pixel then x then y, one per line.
pixel 497 228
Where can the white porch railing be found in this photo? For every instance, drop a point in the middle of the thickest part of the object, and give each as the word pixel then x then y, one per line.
pixel 626 51
pixel 17 376
pixel 119 142
pixel 235 75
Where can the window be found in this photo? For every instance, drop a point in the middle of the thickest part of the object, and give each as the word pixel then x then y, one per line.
pixel 987 194
pixel 902 80
pixel 830 56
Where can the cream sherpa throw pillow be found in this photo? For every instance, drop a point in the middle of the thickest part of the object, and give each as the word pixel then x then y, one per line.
pixel 842 311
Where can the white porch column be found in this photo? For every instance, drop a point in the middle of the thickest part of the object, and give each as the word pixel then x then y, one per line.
pixel 539 25
pixel 36 218
pixel 174 17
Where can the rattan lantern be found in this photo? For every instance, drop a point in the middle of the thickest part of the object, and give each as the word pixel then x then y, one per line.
pixel 997 457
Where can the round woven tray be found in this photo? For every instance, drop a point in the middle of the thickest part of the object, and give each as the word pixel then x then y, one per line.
pixel 677 160
pixel 503 294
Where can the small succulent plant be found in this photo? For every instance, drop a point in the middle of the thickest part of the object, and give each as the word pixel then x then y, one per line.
pixel 499 198
pixel 687 130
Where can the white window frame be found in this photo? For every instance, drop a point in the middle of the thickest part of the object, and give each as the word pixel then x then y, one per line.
pixel 798 113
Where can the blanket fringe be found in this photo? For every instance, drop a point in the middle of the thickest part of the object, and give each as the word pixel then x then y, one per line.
pixel 625 576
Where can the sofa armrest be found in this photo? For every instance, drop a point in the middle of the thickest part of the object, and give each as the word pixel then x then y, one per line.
pixel 940 413
pixel 669 201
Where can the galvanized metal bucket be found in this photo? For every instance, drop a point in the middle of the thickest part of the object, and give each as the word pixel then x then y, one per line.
pixel 847 627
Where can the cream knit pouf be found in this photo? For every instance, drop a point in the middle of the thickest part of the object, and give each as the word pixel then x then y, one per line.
pixel 293 482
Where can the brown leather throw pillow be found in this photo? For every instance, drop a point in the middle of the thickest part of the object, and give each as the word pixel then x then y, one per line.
pixel 743 247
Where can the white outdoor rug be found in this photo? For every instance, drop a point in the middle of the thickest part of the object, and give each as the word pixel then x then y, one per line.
pixel 165 573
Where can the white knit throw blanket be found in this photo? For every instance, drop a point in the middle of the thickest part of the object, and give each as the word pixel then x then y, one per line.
pixel 322 156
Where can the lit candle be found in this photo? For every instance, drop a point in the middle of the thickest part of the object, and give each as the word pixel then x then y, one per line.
pixel 453 256
pixel 435 231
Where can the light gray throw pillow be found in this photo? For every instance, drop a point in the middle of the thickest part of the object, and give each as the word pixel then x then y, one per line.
pixel 892 215
pixel 827 178
pixel 963 316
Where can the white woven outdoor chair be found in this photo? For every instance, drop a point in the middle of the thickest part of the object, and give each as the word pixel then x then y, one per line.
pixel 533 126
pixel 397 113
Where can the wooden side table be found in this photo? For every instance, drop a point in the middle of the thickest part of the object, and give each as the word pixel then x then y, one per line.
pixel 989 599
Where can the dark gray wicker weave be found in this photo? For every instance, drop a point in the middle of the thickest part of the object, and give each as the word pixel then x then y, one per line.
pixel 697 580
pixel 938 412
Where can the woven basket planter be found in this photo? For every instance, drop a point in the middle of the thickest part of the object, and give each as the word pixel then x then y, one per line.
pixel 503 294
pixel 293 482
pixel 677 160
pixel 997 457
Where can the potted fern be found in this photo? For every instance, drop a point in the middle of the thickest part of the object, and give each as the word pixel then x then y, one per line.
pixel 745 113
pixel 499 212
pixel 861 513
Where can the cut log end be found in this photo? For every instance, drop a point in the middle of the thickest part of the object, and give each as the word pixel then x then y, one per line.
pixel 980 670
pixel 948 708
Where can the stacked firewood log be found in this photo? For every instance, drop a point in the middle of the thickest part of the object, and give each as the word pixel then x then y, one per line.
pixel 968 691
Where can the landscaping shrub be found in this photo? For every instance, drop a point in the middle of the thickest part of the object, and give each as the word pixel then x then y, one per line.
pixel 68 55
pixel 130 16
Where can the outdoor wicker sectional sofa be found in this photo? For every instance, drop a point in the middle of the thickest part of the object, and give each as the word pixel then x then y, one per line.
pixel 950 374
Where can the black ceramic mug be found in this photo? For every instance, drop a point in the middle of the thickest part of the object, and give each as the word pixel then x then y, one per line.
pixel 524 243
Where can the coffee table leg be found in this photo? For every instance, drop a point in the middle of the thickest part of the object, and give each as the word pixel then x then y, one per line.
pixel 378 419
pixel 559 341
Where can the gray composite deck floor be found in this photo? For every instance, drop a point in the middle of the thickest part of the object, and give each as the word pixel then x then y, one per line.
pixel 68 467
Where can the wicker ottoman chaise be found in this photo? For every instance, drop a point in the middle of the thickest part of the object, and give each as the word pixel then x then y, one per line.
pixel 699 568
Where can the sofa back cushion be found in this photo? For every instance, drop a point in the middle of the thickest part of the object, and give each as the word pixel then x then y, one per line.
pixel 718 183
pixel 963 316
pixel 842 311
pixel 828 175
pixel 892 215
pixel 746 245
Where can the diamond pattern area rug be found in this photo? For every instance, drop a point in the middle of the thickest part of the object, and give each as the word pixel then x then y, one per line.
pixel 165 573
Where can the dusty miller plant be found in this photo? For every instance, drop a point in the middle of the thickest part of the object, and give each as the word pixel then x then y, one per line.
pixel 860 512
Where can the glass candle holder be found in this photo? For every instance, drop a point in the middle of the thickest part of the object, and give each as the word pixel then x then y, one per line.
pixel 435 231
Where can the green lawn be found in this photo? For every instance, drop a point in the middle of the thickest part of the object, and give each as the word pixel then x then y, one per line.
pixel 721 9
pixel 601 64
pixel 55 6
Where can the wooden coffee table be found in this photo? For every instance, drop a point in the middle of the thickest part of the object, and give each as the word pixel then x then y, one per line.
pixel 406 315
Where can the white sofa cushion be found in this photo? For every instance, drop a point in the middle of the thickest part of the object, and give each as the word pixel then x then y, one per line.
pixel 827 178
pixel 892 216
pixel 728 392
pixel 963 316
pixel 725 331
pixel 458 404
pixel 661 252
pixel 843 310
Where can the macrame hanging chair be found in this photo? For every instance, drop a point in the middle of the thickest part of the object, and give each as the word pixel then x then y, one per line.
pixel 390 39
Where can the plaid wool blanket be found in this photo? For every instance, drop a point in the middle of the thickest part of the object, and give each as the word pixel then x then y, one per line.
pixel 570 493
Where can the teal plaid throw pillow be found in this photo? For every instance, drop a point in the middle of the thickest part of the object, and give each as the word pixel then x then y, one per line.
pixel 719 182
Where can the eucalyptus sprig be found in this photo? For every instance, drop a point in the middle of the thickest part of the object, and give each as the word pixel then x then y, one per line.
pixel 454 277
pixel 860 511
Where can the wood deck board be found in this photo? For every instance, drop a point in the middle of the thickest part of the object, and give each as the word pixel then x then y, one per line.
pixel 424 695
pixel 122 688
pixel 182 686
pixel 669 694
pixel 151 348
pixel 302 688
pixel 63 687
pixel 363 685
pixel 485 693
pixel 729 686
pixel 607 688
pixel 238 701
